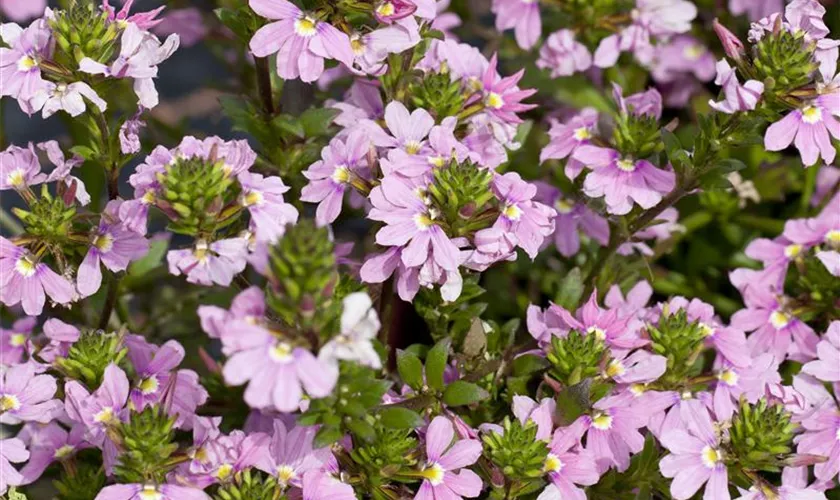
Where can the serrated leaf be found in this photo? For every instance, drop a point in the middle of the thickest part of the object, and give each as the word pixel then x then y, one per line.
pixel 571 290
pixel 436 364
pixel 326 436
pixel 397 417
pixel 460 393
pixel 316 121
pixel 410 369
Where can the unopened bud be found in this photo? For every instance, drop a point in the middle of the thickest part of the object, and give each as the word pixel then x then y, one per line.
pixel 732 46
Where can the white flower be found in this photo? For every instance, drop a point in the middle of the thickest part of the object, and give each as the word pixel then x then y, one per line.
pixel 359 325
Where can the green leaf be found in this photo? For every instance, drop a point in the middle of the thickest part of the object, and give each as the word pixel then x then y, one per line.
pixel 573 401
pixel 150 261
pixel 528 364
pixel 436 364
pixel 571 289
pixel 460 393
pixel 362 429
pixel 410 369
pixel 326 436
pixel 316 121
pixel 84 151
pixel 289 124
pixel 397 417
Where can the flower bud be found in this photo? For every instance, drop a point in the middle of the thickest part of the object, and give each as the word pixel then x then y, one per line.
pixel 732 46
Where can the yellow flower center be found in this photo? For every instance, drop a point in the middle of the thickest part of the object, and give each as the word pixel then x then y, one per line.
pixel 224 471
pixel 148 198
pixel 811 114
pixel 602 421
pixel 17 340
pixel 706 330
pixel 305 26
pixel 105 416
pixel 599 333
pixel 16 178
pixel 149 385
pixel 792 251
pixel 552 463
pixel 779 319
pixel 9 402
pixel 436 161
pixel 341 174
pixel 434 473
pixel 25 267
pixel 512 212
pixel 638 389
pixel 563 206
pixel 201 251
pixel 386 9
pixel 582 134
pixel 626 165
pixel 423 221
pixel 252 198
pixel 711 456
pixel 357 44
pixel 412 147
pixel 615 368
pixel 63 452
pixel 494 100
pixel 833 237
pixel 285 473
pixel 150 492
pixel 693 52
pixel 728 377
pixel 281 352
pixel 26 63
pixel 104 242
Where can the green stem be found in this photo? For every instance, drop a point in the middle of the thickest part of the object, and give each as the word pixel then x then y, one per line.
pixel 264 84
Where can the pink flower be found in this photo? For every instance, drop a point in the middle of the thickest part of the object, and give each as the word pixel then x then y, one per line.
pixel 22 10
pixel 444 459
pixel 542 414
pixel 622 181
pixel 263 197
pixel 808 128
pixel 130 134
pixel 160 382
pixel 696 458
pixel 25 280
pixel 113 246
pixel 405 131
pixel 827 365
pixel 573 218
pixel 567 136
pixel 736 97
pixel 319 485
pixel 188 23
pixel 683 55
pixel 750 382
pixel 528 221
pixel 441 148
pixel 20 69
pixel 11 451
pixel 277 371
pixel 20 168
pixel 211 263
pixel 822 437
pixel 140 53
pixel 411 224
pixel 612 434
pixel 776 330
pixel 145 491
pixel 143 20
pixel 563 55
pixel 301 41
pixel 291 454
pixel 49 444
pixel 27 397
pixel 14 342
pixel 755 9
pixel 567 466
pixel 342 162
pixel 61 336
pixel 521 15
pixel 502 98
pixel 106 407
pixel 248 305
pixel 67 97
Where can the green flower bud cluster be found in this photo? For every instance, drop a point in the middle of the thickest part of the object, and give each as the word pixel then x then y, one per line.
pixel 251 486
pixel 349 407
pixel 48 218
pixel 147 442
pixel 784 61
pixel 89 356
pixel 576 357
pixel 391 451
pixel 460 196
pixel 303 278
pixel 637 136
pixel 198 196
pixel 516 451
pixel 84 484
pixel 83 30
pixel 681 341
pixel 761 436
pixel 438 94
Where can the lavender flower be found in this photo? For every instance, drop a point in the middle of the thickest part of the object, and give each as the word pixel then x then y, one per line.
pixel 20 68
pixel 147 491
pixel 301 41
pixel 12 450
pixel 529 222
pixel 263 197
pixel 808 128
pixel 210 263
pixel 291 454
pixel 441 476
pixel 521 15
pixel 49 444
pixel 27 281
pixel 27 397
pixel 563 55
pixel 14 341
